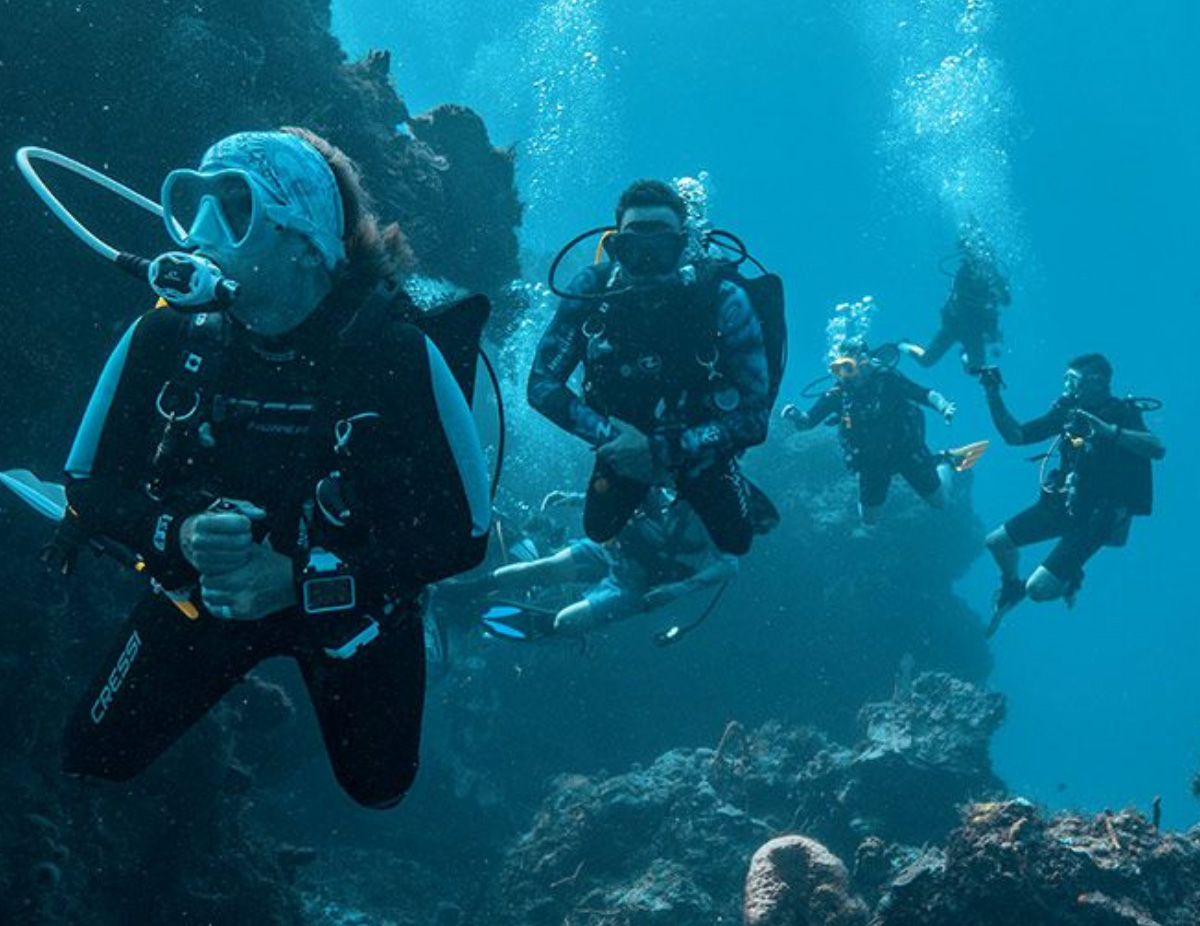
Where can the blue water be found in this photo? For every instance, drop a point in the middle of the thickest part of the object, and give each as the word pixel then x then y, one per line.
pixel 845 140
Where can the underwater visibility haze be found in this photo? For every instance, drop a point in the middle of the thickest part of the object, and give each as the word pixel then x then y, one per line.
pixel 660 728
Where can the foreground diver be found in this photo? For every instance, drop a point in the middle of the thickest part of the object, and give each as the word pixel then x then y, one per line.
pixel 663 554
pixel 676 382
pixel 882 429
pixel 293 471
pixel 971 313
pixel 1103 479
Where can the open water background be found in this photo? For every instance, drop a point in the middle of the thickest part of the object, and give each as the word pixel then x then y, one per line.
pixel 845 141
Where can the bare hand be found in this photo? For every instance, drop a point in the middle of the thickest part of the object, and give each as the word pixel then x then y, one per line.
pixel 1101 427
pixel 794 415
pixel 628 455
pixel 259 587
pixel 219 541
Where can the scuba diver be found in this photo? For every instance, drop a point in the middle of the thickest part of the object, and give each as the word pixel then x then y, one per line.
pixel 677 381
pixel 1102 481
pixel 290 470
pixel 663 554
pixel 971 313
pixel 882 429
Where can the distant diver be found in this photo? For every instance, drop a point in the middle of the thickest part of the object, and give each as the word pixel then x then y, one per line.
pixel 291 462
pixel 971 313
pixel 661 556
pixel 1102 480
pixel 681 357
pixel 877 411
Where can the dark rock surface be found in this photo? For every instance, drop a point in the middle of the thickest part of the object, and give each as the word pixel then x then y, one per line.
pixel 1010 864
pixel 670 843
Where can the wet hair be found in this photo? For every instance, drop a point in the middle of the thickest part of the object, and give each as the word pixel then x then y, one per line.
pixel 1094 365
pixel 374 251
pixel 642 193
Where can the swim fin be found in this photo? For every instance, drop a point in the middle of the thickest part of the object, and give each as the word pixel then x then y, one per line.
pixel 519 622
pixel 46 498
pixel 963 458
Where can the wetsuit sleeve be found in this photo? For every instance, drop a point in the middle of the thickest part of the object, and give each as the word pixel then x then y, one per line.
pixel 111 459
pixel 421 480
pixel 559 353
pixel 913 392
pixel 828 404
pixel 1030 432
pixel 743 362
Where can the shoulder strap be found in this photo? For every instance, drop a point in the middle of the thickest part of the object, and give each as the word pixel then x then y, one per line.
pixel 456 328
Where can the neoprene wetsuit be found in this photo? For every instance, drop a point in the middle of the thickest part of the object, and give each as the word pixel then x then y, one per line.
pixel 882 432
pixel 1088 501
pixel 264 429
pixel 641 353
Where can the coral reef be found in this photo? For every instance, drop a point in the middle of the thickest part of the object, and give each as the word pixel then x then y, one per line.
pixel 796 881
pixel 669 843
pixel 1009 864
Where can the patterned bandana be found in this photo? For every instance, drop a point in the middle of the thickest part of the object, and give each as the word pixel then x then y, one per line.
pixel 297 175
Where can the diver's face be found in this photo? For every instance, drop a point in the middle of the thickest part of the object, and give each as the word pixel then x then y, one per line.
pixel 230 216
pixel 1084 388
pixel 649 242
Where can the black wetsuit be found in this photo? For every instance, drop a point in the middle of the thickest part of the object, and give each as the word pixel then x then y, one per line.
pixel 264 431
pixel 684 363
pixel 970 316
pixel 882 431
pixel 1087 501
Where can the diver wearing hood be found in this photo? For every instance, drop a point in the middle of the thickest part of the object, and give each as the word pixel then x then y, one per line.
pixel 1103 479
pixel 878 413
pixel 676 381
pixel 292 472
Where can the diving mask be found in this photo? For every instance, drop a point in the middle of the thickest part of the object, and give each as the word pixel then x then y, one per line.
pixel 228 209
pixel 1079 385
pixel 845 367
pixel 647 254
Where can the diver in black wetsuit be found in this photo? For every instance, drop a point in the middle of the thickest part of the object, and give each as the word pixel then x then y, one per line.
pixel 882 429
pixel 1102 481
pixel 291 473
pixel 971 313
pixel 676 380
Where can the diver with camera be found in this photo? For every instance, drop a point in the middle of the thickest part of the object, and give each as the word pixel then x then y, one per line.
pixel 1095 478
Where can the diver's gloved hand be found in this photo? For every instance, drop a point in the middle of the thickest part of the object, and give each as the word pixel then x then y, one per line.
pixel 259 587
pixel 628 454
pixel 942 405
pixel 220 539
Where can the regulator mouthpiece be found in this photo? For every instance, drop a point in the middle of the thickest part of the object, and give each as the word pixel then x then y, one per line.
pixel 190 282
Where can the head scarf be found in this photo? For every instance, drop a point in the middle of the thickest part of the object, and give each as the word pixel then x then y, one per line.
pixel 297 175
